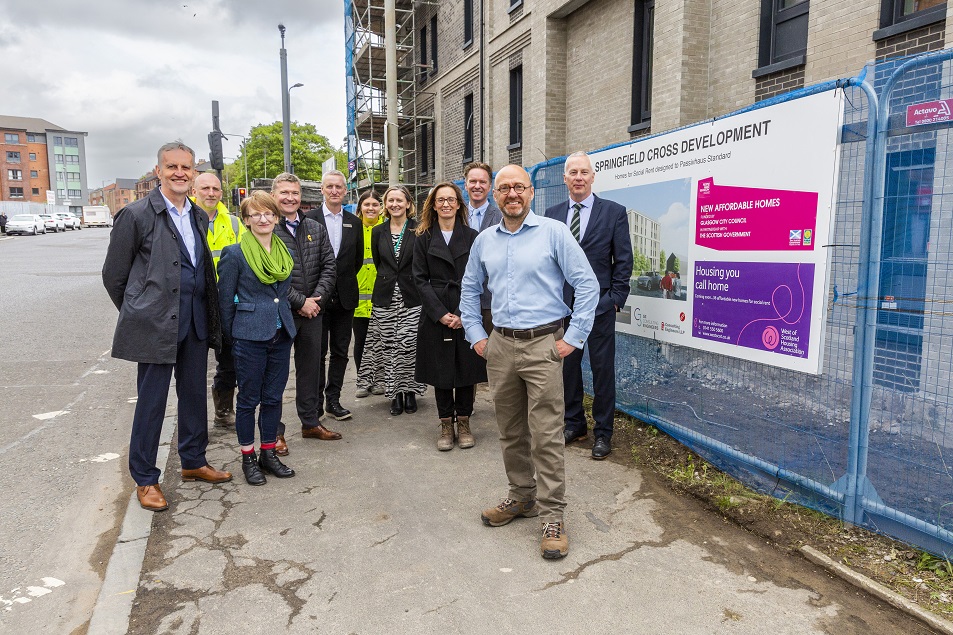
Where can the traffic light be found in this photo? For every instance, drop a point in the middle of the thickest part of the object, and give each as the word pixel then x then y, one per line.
pixel 216 158
pixel 235 200
pixel 241 195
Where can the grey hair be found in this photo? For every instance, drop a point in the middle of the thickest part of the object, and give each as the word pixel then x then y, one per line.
pixel 173 145
pixel 580 153
pixel 333 173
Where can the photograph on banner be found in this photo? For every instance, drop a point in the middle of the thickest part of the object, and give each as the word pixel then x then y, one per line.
pixel 730 221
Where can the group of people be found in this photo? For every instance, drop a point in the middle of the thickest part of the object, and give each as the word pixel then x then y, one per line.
pixel 470 290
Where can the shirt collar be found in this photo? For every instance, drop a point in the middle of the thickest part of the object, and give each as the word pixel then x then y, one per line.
pixel 482 208
pixel 586 202
pixel 531 220
pixel 169 206
pixel 327 212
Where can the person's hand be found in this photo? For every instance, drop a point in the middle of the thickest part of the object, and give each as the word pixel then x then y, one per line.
pixel 563 348
pixel 310 308
pixel 451 321
pixel 480 347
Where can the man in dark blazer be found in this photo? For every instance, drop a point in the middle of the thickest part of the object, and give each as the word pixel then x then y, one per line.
pixel 482 213
pixel 347 240
pixel 159 274
pixel 602 229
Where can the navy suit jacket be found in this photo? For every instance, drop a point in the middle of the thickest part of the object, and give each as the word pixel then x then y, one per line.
pixel 608 247
pixel 255 316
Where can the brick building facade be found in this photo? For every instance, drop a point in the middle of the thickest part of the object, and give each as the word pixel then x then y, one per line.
pixel 36 156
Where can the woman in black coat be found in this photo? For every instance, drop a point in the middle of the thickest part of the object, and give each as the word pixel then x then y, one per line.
pixel 444 357
pixel 390 350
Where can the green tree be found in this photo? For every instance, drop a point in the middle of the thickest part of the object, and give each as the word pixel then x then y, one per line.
pixel 265 148
pixel 640 263
pixel 661 261
pixel 678 265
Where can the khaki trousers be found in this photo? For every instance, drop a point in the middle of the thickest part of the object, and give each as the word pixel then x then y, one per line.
pixel 526 384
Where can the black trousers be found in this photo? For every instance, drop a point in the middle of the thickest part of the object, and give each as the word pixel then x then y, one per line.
pixel 361 324
pixel 191 389
pixel 336 338
pixel 601 346
pixel 224 379
pixel 307 354
pixel 452 401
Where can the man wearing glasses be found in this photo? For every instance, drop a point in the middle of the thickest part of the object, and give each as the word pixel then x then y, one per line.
pixel 525 261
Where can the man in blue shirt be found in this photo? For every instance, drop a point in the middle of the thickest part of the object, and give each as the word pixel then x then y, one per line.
pixel 526 260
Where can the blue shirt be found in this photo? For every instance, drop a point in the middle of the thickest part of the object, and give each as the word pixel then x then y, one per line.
pixel 183 222
pixel 477 213
pixel 526 271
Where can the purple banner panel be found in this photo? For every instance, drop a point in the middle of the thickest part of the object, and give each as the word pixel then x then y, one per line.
pixel 930 112
pixel 760 305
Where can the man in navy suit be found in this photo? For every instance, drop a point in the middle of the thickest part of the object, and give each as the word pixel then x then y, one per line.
pixel 602 229
pixel 482 213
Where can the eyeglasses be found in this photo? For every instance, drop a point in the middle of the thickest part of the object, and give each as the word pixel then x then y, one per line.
pixel 519 188
pixel 264 215
pixel 450 200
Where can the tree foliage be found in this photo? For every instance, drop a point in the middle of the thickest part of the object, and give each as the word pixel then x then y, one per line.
pixel 640 263
pixel 265 148
pixel 661 261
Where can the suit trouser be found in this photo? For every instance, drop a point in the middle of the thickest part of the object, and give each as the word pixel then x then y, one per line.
pixel 360 326
pixel 224 379
pixel 191 389
pixel 526 385
pixel 336 338
pixel 307 353
pixel 601 347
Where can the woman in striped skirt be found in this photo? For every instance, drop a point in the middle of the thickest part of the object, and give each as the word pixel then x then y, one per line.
pixel 391 348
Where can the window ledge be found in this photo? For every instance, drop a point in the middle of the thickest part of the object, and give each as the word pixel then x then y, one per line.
pixel 777 67
pixel 929 17
pixel 515 146
pixel 638 127
pixel 514 6
pixel 468 44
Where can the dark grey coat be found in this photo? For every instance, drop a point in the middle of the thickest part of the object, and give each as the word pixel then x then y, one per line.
pixel 444 357
pixel 315 269
pixel 142 275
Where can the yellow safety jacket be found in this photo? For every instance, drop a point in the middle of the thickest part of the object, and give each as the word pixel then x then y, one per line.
pixel 367 274
pixel 225 230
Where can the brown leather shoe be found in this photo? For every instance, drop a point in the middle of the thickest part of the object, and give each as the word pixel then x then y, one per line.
pixel 151 498
pixel 281 446
pixel 208 474
pixel 319 432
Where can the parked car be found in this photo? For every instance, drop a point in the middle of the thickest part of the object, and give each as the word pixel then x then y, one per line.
pixel 649 280
pixel 26 224
pixel 69 220
pixel 53 223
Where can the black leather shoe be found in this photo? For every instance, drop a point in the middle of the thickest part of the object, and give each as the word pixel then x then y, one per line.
pixel 601 448
pixel 571 435
pixel 410 402
pixel 397 405
pixel 253 475
pixel 339 412
pixel 268 461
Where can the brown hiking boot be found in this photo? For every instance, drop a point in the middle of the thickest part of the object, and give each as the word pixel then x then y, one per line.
pixel 224 408
pixel 555 543
pixel 445 441
pixel 507 511
pixel 464 436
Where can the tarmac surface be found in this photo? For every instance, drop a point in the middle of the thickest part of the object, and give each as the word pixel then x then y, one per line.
pixel 381 533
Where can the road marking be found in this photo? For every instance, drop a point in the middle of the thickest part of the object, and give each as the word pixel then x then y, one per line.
pixel 50 415
pixel 102 458
pixel 132 400
pixel 32 591
pixel 99 372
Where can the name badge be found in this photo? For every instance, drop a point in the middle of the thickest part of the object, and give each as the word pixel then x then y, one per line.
pixel 348 225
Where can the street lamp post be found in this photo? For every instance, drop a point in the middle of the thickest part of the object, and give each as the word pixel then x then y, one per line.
pixel 290 167
pixel 285 98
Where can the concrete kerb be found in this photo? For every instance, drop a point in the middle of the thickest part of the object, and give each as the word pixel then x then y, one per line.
pixel 114 604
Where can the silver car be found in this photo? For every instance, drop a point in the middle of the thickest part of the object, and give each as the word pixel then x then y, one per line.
pixel 70 221
pixel 26 224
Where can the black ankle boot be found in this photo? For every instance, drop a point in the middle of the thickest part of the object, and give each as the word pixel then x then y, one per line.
pixel 253 475
pixel 268 461
pixel 410 402
pixel 397 405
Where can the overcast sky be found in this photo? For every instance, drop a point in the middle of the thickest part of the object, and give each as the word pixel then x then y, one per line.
pixel 135 74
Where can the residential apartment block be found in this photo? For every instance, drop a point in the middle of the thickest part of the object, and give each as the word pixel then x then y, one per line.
pixel 36 156
pixel 115 196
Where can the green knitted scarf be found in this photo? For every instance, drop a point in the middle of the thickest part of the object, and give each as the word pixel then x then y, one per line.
pixel 269 267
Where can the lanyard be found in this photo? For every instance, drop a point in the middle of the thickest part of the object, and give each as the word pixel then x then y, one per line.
pixel 400 239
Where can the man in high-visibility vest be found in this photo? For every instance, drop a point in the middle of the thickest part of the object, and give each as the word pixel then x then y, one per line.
pixel 223 230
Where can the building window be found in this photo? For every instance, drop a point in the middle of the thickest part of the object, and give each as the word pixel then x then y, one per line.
pixel 11 137
pixel 643 46
pixel 433 148
pixel 75 193
pixel 516 107
pixel 57 141
pixel 922 11
pixel 468 128
pixel 30 138
pixel 13 157
pixel 34 174
pixel 72 142
pixel 467 23
pixel 36 191
pixel 423 54
pixel 424 148
pixel 433 45
pixel 72 159
pixel 15 175
pixel 515 3
pixel 61 192
pixel 72 176
pixel 16 192
pixel 33 156
pixel 61 176
pixel 783 32
pixel 59 159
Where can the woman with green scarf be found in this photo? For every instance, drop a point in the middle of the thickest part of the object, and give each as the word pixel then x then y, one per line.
pixel 254 276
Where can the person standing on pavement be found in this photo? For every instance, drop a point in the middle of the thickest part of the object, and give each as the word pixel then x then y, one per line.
pixel 483 213
pixel 254 280
pixel 391 352
pixel 223 230
pixel 444 358
pixel 602 229
pixel 347 240
pixel 527 259
pixel 3 222
pixel 369 211
pixel 158 272
pixel 312 281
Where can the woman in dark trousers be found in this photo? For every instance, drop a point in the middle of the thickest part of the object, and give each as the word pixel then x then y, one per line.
pixel 254 276
pixel 391 348
pixel 444 357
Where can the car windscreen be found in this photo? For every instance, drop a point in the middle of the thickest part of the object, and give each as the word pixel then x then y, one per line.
pixel 24 217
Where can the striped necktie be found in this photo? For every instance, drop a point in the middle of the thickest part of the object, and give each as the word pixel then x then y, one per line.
pixel 574 224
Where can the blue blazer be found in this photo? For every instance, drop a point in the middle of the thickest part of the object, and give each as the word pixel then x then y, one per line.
pixel 255 316
pixel 608 248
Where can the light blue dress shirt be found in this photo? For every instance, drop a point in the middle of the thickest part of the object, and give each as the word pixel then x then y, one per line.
pixel 335 225
pixel 477 214
pixel 584 214
pixel 526 270
pixel 183 222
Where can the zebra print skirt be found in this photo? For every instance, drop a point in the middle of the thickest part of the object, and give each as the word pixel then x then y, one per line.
pixel 390 352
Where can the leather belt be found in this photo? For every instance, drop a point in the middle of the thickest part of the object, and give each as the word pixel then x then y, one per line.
pixel 528 334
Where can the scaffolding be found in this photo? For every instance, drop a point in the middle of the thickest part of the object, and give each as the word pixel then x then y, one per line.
pixel 366 103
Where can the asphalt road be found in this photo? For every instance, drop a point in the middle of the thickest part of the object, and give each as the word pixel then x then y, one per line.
pixel 64 424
